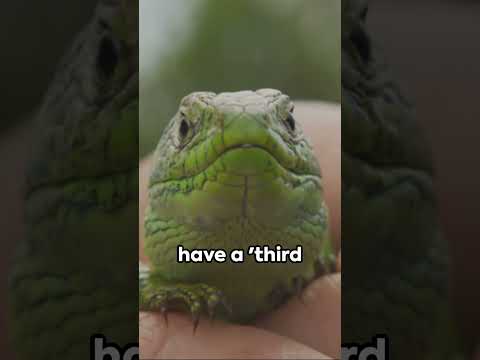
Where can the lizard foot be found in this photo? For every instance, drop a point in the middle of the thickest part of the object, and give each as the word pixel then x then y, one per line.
pixel 325 266
pixel 196 298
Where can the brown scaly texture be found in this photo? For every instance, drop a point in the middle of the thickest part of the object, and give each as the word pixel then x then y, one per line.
pixel 394 257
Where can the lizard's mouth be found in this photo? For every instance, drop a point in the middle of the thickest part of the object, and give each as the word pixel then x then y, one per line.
pixel 244 180
pixel 249 160
pixel 217 160
pixel 246 164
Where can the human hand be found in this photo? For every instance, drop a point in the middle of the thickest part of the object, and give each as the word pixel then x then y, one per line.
pixel 306 328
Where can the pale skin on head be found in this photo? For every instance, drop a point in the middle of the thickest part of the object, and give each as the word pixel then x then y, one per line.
pixel 306 328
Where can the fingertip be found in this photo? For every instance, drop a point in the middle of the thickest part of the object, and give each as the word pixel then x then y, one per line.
pixel 315 320
pixel 326 287
pixel 215 340
pixel 152 335
pixel 294 350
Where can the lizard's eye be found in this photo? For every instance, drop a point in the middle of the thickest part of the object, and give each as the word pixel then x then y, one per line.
pixel 107 58
pixel 362 43
pixel 290 123
pixel 183 128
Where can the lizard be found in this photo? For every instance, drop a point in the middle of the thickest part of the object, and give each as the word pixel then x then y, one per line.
pixel 75 271
pixel 230 171
pixel 395 258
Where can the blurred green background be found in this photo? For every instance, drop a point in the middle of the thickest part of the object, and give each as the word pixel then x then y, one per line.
pixel 227 45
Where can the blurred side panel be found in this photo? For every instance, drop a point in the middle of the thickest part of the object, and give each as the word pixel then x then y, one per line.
pixel 432 47
pixel 73 259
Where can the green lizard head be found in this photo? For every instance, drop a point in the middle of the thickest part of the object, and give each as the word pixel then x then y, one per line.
pixel 233 156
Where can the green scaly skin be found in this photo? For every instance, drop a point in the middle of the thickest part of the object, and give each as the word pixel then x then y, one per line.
pixel 74 274
pixel 395 260
pixel 232 170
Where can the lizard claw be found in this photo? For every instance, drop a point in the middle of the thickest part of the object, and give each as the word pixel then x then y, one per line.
pixel 195 319
pixel 195 298
pixel 214 300
pixel 299 284
pixel 211 309
pixel 227 306
pixel 164 311
pixel 324 266
pixel 320 268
